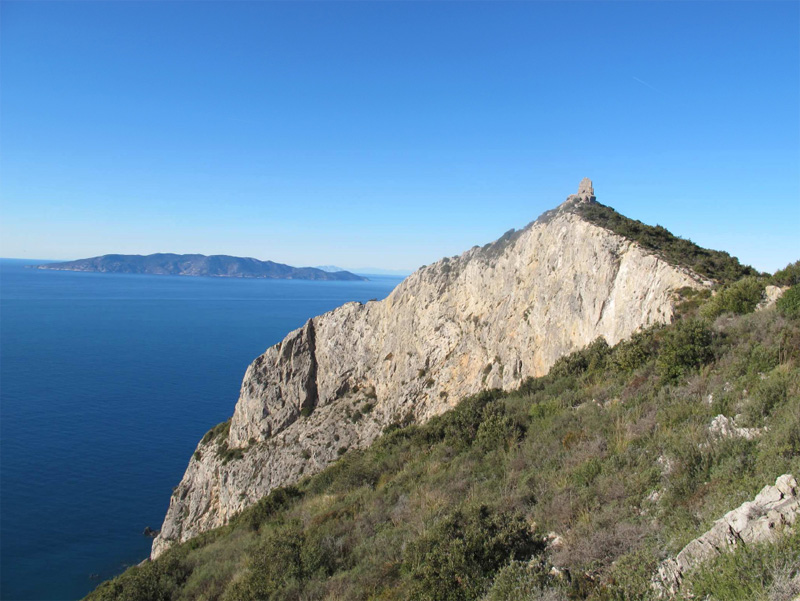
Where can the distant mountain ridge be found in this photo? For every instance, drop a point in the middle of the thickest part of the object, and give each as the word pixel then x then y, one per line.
pixel 199 265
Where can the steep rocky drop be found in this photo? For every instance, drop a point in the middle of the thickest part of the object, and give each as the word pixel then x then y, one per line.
pixel 491 317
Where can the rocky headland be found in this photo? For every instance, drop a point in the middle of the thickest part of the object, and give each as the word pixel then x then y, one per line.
pixel 489 318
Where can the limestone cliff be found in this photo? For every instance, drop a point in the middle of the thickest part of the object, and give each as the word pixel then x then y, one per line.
pixel 489 318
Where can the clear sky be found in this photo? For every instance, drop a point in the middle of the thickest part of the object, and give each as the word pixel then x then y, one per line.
pixel 391 134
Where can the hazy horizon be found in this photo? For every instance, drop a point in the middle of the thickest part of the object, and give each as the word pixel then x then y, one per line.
pixel 376 270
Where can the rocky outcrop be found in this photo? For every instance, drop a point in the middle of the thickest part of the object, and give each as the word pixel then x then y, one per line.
pixel 726 427
pixel 770 297
pixel 489 318
pixel 756 521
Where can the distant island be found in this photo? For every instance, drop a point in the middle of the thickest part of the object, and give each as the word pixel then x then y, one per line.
pixel 330 268
pixel 223 266
pixel 368 270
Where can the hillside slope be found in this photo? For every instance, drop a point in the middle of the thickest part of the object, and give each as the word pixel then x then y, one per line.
pixel 488 319
pixel 575 486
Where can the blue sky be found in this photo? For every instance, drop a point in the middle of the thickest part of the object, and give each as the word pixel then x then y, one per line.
pixel 391 134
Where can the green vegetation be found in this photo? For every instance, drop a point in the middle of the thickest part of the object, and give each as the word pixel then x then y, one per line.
pixel 714 264
pixel 493 250
pixel 219 434
pixel 788 276
pixel 761 572
pixel 611 451
pixel 684 348
pixel 220 431
pixel 789 303
pixel 739 298
pixel 461 554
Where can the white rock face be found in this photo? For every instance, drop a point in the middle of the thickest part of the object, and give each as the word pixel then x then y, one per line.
pixel 489 318
pixel 725 427
pixel 760 520
pixel 771 296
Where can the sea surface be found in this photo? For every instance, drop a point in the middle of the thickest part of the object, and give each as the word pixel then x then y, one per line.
pixel 107 382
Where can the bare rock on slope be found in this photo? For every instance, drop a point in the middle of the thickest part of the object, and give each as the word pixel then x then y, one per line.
pixel 756 521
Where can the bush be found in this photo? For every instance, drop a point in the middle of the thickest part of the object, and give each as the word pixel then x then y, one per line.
pixel 591 359
pixel 218 431
pixel 635 352
pixel 630 577
pixel 788 276
pixel 457 560
pixel 519 581
pixel 768 394
pixel 497 429
pixel 152 581
pixel 789 304
pixel 739 298
pixel 226 454
pixel 276 563
pixel 253 517
pixel 685 347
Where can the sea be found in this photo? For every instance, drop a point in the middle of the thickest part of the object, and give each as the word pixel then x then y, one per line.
pixel 107 382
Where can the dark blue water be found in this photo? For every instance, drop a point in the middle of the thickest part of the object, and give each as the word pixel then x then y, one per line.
pixel 107 383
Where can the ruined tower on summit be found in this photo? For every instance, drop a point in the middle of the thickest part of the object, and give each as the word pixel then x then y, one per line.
pixel 585 192
pixel 585 189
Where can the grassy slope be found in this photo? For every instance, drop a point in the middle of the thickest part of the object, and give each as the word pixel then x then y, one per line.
pixel 446 510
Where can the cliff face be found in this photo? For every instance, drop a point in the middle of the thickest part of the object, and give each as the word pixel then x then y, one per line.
pixel 489 318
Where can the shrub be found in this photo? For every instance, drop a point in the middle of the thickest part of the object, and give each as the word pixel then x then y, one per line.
pixel 789 304
pixel 458 558
pixel 592 358
pixel 630 576
pixel 226 454
pixel 788 276
pixel 497 429
pixel 218 431
pixel 769 393
pixel 690 300
pixel 274 564
pixel 635 352
pixel 740 297
pixel 152 581
pixel 277 500
pixel 685 347
pixel 520 581
pixel 461 428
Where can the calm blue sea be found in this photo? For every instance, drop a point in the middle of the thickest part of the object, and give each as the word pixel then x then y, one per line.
pixel 107 383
